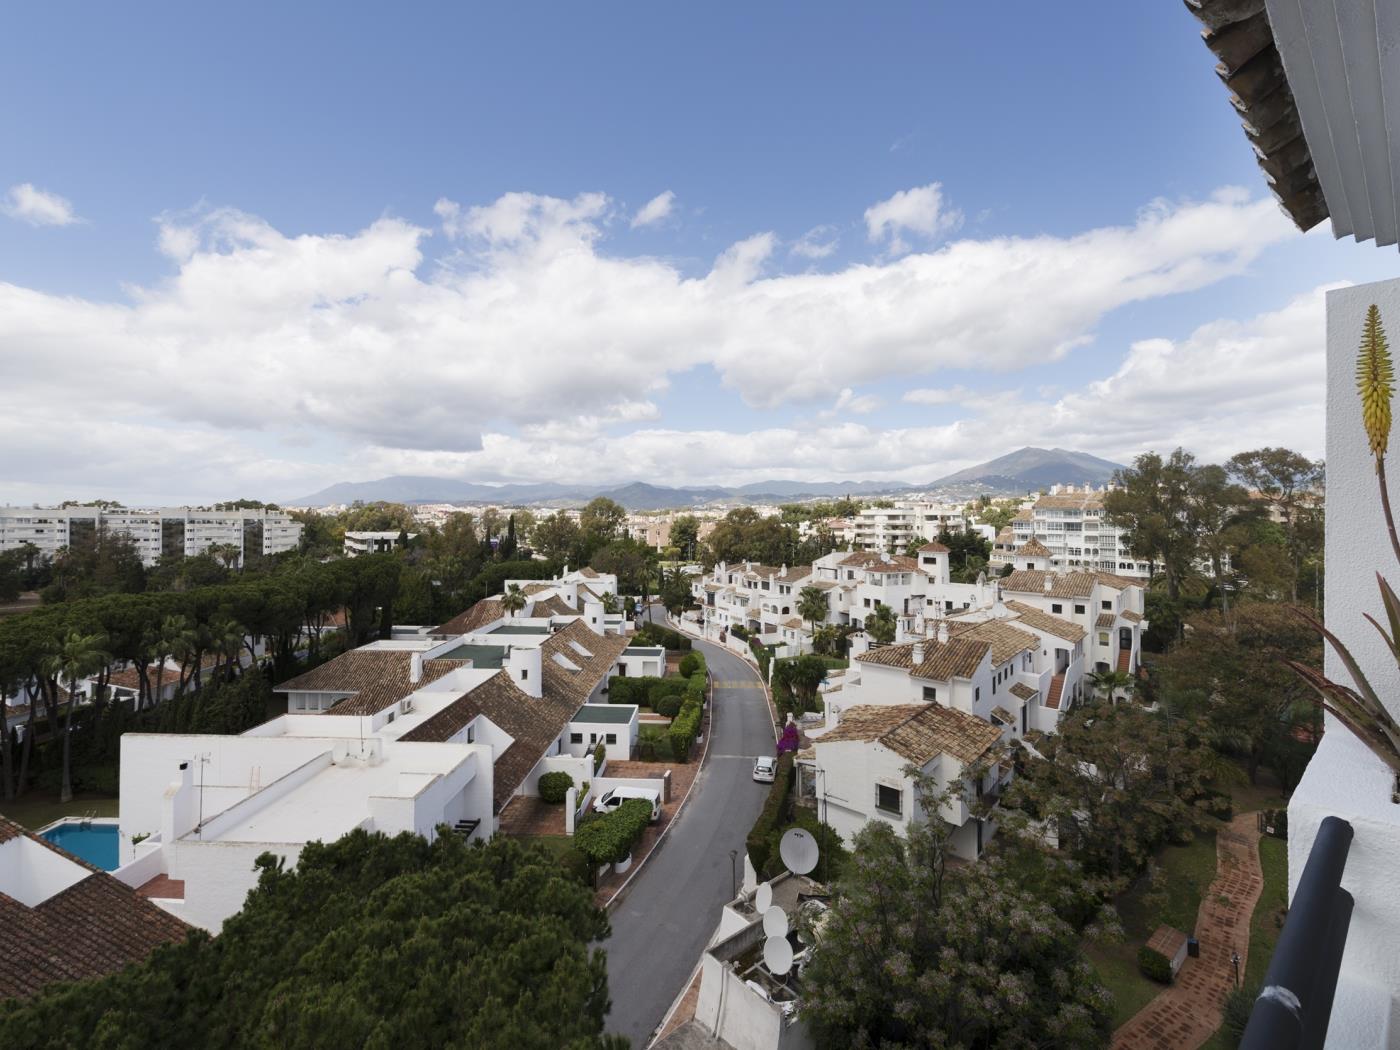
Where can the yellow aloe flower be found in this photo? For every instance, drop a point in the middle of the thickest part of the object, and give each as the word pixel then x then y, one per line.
pixel 1375 380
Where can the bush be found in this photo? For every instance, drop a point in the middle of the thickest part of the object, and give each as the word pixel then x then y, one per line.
pixel 600 755
pixel 739 632
pixel 1275 823
pixel 684 728
pixel 1154 965
pixel 631 690
pixel 555 786
pixel 655 634
pixel 662 687
pixel 1239 1003
pixel 610 837
pixel 690 663
pixel 669 706
pixel 653 744
pixel 761 841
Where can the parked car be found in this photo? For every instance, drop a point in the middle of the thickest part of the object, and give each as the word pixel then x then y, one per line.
pixel 612 799
pixel 765 769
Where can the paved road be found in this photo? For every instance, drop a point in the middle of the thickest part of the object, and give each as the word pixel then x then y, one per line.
pixel 662 923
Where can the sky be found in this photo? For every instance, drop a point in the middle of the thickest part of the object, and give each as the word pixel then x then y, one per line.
pixel 252 250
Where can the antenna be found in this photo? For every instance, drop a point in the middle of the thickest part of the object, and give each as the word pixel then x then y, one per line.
pixel 799 851
pixel 775 922
pixel 777 955
pixel 763 898
pixel 203 758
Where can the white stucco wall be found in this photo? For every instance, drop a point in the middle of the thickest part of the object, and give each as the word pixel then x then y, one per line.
pixel 1344 779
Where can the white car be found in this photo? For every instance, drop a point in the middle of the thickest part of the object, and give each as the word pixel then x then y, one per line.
pixel 609 801
pixel 765 769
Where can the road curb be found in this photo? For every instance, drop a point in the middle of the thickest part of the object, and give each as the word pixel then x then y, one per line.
pixel 680 806
pixel 748 659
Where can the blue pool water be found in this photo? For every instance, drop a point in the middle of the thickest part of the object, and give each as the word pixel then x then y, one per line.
pixel 96 844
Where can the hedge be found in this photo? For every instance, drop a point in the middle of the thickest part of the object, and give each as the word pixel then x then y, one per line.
pixel 1154 965
pixel 623 690
pixel 655 634
pixel 690 663
pixel 770 818
pixel 684 728
pixel 610 837
pixel 669 706
pixel 555 786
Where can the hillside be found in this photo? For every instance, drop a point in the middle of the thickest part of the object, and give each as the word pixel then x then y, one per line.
pixel 1030 468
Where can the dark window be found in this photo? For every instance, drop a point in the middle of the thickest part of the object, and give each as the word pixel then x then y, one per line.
pixel 1057 608
pixel 612 738
pixel 1079 609
pixel 977 694
pixel 592 738
pixel 524 674
pixel 1107 606
pixel 575 738
pixel 930 692
pixel 889 799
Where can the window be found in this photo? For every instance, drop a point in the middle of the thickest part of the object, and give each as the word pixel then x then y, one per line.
pixel 612 738
pixel 1057 608
pixel 889 799
pixel 1106 606
pixel 471 734
pixel 1103 637
pixel 524 674
pixel 1079 609
pixel 930 692
pixel 575 738
pixel 592 738
pixel 977 694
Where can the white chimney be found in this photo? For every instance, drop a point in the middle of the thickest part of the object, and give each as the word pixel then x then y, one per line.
pixel 1049 583
pixel 918 654
pixel 526 666
pixel 415 668
pixel 942 632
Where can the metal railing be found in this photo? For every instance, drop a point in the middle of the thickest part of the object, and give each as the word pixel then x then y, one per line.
pixel 1293 1008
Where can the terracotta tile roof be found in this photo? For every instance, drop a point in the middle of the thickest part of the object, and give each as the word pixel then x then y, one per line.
pixel 795 622
pixel 553 606
pixel 1003 716
pixel 1039 620
pixel 874 562
pixel 589 573
pixel 762 571
pixel 579 685
pixel 1024 516
pixel 585 591
pixel 868 722
pixel 1022 691
pixel 95 927
pixel 938 730
pixel 1033 548
pixel 955 658
pixel 479 615
pixel 532 589
pixel 1131 616
pixel 376 678
pixel 1007 640
pixel 933 547
pixel 1118 583
pixel 795 575
pixel 1006 536
pixel 1105 620
pixel 1066 585
pixel 534 723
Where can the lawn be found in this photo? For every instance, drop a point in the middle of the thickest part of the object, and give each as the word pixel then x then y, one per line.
pixel 1188 871
pixel 34 811
pixel 1267 921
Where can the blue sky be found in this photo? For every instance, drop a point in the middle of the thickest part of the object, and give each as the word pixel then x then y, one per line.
pixel 252 251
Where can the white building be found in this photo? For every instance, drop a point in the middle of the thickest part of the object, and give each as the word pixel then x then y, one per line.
pixel 1072 526
pixel 168 532
pixel 357 543
pixel 893 529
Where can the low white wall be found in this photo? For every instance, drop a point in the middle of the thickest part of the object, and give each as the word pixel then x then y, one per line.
pixel 149 862
pixel 218 876
pixel 605 784
pixel 279 788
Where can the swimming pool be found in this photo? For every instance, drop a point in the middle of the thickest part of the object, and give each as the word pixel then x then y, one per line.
pixel 95 843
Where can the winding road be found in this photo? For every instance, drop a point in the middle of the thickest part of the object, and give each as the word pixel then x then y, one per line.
pixel 661 924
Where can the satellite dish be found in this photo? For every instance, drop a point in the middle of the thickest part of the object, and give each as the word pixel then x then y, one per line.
pixel 777 955
pixel 799 851
pixel 763 898
pixel 775 922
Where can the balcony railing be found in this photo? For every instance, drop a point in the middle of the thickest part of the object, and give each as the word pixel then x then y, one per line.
pixel 1295 1004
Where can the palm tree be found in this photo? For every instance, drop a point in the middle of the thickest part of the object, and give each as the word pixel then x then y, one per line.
pixel 1108 684
pixel 226 639
pixel 513 600
pixel 880 624
pixel 77 656
pixel 610 603
pixel 812 606
pixel 179 640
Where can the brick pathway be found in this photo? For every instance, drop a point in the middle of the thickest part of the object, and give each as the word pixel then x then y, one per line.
pixel 532 815
pixel 1187 1013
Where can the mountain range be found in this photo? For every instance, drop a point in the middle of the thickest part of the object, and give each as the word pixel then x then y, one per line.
pixel 1025 470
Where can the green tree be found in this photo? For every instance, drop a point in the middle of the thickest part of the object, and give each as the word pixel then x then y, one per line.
pixel 880 624
pixel 685 535
pixel 601 521
pixel 559 539
pixel 1152 502
pixel 1214 512
pixel 629 561
pixel 796 681
pixel 77 657
pixel 914 957
pixel 369 942
pixel 1289 481
pixel 812 606
pixel 513 600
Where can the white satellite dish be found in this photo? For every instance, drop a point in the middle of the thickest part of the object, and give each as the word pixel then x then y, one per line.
pixel 775 922
pixel 777 955
pixel 799 851
pixel 763 898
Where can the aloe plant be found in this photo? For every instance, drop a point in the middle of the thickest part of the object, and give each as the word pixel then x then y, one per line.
pixel 1359 707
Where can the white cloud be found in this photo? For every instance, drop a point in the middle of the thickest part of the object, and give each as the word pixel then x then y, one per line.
pixel 654 210
pixel 952 395
pixel 27 203
pixel 817 243
pixel 920 211
pixel 530 328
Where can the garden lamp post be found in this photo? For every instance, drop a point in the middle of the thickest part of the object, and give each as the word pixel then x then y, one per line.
pixel 733 874
pixel 1235 962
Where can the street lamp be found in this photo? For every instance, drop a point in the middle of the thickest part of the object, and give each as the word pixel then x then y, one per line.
pixel 733 874
pixel 1235 962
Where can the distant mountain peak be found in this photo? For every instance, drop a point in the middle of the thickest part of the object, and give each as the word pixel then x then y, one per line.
pixel 1031 468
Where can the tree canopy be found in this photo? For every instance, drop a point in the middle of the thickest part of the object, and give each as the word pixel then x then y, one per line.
pixel 377 942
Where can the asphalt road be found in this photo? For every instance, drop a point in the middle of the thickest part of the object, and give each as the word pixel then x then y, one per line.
pixel 664 920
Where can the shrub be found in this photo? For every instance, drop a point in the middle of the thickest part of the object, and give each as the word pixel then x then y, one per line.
pixel 610 837
pixel 663 687
pixel 555 786
pixel 653 744
pixel 684 728
pixel 1238 1005
pixel 761 841
pixel 668 705
pixel 1154 965
pixel 600 755
pixel 690 663
pixel 655 634
pixel 631 690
